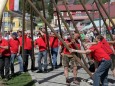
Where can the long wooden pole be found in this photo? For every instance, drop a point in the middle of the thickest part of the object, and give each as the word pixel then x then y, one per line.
pixel 106 13
pixel 1 22
pixel 89 16
pixel 47 36
pixel 76 58
pixel 23 29
pixel 76 29
pixel 32 28
pixel 59 24
pixel 103 19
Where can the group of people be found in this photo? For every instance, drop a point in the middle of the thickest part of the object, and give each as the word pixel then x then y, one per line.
pixel 101 53
pixel 11 49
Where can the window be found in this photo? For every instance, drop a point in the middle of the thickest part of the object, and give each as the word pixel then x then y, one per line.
pixel 6 14
pixel 6 24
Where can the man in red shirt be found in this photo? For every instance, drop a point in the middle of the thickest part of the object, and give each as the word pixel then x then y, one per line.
pixel 41 43
pixel 54 44
pixel 28 51
pixel 4 58
pixel 67 58
pixel 101 41
pixel 14 48
pixel 99 55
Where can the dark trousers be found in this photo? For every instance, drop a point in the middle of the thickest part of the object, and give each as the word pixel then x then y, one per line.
pixel 4 64
pixel 28 53
pixel 101 73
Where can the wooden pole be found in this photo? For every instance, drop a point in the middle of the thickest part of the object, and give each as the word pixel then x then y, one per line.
pixel 89 16
pixel 76 58
pixel 59 24
pixel 106 13
pixel 1 22
pixel 23 29
pixel 33 57
pixel 103 19
pixel 47 36
pixel 76 29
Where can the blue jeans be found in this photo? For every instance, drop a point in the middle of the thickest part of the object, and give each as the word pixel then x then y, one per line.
pixel 101 73
pixel 54 52
pixel 44 55
pixel 20 61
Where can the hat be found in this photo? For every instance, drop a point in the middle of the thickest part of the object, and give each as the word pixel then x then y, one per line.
pixel 15 34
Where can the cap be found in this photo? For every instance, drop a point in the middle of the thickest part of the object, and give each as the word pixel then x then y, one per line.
pixel 15 34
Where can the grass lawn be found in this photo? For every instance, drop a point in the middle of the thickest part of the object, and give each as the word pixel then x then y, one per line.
pixel 20 80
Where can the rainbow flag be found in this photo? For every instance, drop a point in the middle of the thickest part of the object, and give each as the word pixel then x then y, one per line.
pixel 12 5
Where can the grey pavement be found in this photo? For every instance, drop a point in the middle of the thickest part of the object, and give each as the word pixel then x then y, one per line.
pixel 56 77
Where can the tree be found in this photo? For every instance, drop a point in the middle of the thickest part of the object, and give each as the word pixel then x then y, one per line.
pixel 50 11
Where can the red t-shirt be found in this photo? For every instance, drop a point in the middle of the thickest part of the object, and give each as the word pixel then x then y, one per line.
pixel 14 45
pixel 53 42
pixel 20 40
pixel 65 50
pixel 106 47
pixel 41 43
pixel 28 45
pixel 76 44
pixel 4 52
pixel 98 53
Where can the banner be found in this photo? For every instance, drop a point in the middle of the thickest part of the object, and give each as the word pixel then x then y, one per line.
pixel 12 5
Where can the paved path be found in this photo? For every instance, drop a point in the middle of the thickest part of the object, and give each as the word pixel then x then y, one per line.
pixel 56 77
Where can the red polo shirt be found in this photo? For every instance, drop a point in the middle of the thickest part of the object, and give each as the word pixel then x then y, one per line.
pixel 53 42
pixel 4 52
pixel 28 45
pixel 20 40
pixel 14 45
pixel 98 53
pixel 41 44
pixel 65 50
pixel 106 47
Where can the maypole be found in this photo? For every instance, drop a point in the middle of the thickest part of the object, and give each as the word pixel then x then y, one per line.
pixel 2 6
